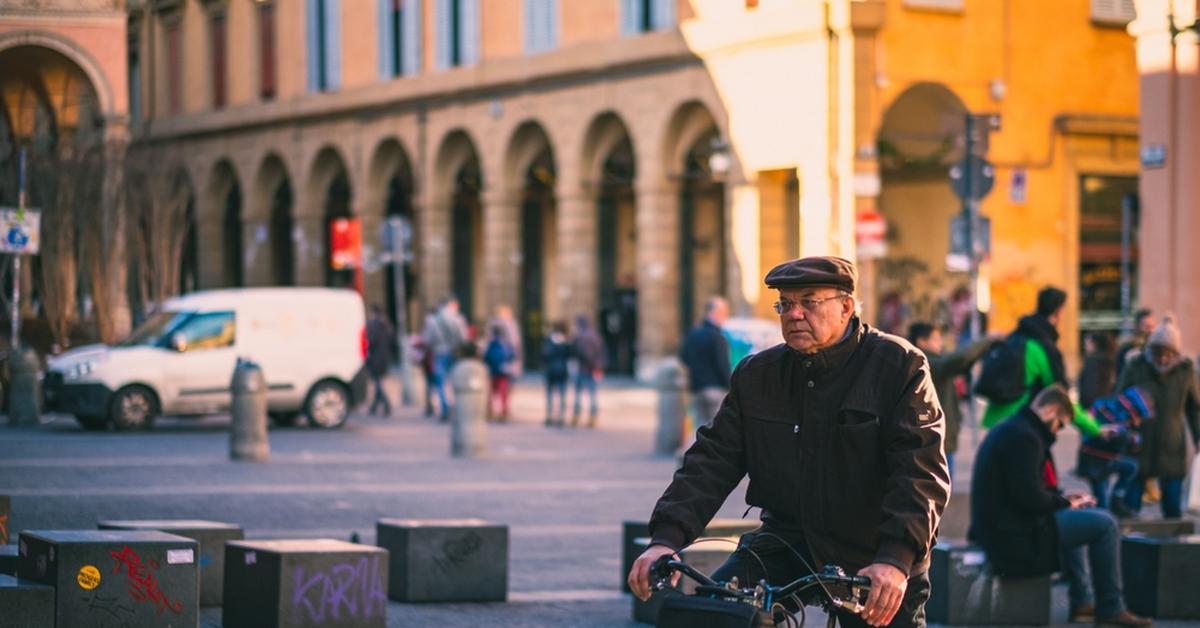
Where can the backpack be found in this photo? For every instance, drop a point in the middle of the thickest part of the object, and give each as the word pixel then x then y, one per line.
pixel 1002 378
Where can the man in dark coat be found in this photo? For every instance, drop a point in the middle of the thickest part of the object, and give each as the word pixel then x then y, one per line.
pixel 381 344
pixel 1028 527
pixel 706 356
pixel 840 431
pixel 945 368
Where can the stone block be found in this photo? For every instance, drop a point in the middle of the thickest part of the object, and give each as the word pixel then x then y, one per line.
pixel 25 604
pixel 5 517
pixel 706 556
pixel 114 577
pixel 322 582
pixel 445 560
pixel 633 530
pixel 1158 527
pixel 8 559
pixel 210 535
pixel 965 593
pixel 1160 576
pixel 956 519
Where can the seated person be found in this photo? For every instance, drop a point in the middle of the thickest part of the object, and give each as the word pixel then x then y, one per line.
pixel 1028 527
pixel 1113 452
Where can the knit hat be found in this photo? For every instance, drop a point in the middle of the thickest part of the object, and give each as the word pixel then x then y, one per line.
pixel 1167 335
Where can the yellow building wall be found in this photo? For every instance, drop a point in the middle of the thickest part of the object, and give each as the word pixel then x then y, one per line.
pixel 1053 62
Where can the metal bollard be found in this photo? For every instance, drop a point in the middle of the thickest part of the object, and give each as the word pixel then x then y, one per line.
pixel 25 395
pixel 468 429
pixel 248 432
pixel 672 406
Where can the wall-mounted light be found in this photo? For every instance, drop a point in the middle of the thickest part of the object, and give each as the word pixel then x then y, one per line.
pixel 719 160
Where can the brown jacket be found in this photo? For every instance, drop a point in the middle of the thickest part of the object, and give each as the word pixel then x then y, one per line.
pixel 845 444
pixel 1176 398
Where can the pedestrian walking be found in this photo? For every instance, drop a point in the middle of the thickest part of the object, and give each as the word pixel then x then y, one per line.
pixel 556 355
pixel 1098 377
pixel 1028 527
pixel 499 359
pixel 589 352
pixel 706 355
pixel 381 343
pixel 1144 324
pixel 1170 380
pixel 945 369
pixel 444 333
pixel 503 318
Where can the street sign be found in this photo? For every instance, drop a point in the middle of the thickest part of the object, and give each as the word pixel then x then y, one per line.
pixel 20 232
pixel 345 243
pixel 1154 156
pixel 1018 186
pixel 870 228
pixel 957 260
pixel 982 175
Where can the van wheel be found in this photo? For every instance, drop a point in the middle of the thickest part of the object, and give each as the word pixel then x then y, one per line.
pixel 93 423
pixel 133 408
pixel 284 419
pixel 327 405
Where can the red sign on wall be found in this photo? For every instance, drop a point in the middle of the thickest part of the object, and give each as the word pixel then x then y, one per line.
pixel 345 243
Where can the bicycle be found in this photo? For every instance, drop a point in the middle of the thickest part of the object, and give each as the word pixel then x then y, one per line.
pixel 720 604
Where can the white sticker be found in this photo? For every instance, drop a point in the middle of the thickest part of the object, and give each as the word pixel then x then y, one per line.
pixel 251 558
pixel 972 559
pixel 180 557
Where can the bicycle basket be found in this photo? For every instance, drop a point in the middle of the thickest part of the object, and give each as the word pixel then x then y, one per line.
pixel 689 611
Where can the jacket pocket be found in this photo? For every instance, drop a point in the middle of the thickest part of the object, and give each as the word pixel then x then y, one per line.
pixel 856 476
pixel 772 461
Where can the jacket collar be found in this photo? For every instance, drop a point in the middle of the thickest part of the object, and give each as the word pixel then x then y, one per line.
pixel 834 357
pixel 1027 414
pixel 1039 327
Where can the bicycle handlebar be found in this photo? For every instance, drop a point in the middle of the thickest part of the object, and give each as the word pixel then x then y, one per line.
pixel 660 574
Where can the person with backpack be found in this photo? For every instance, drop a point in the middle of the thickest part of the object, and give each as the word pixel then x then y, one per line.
pixel 556 354
pixel 499 357
pixel 381 344
pixel 1170 380
pixel 1114 452
pixel 444 333
pixel 589 351
pixel 1015 370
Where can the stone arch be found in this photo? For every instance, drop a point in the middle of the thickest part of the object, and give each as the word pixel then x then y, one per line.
pixel 609 167
pixel 222 213
pixel 390 191
pixel 918 142
pixel 73 52
pixel 458 187
pixel 689 124
pixel 329 197
pixel 274 207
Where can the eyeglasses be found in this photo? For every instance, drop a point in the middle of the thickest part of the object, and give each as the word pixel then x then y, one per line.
pixel 783 306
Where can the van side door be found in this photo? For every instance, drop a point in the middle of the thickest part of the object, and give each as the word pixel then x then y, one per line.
pixel 201 363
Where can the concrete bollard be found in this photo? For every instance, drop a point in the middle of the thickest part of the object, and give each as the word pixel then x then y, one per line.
pixel 25 396
pixel 248 432
pixel 468 429
pixel 672 407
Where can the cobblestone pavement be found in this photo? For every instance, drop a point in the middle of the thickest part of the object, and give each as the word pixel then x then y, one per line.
pixel 563 492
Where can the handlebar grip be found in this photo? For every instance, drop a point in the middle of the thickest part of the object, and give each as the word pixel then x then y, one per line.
pixel 860 581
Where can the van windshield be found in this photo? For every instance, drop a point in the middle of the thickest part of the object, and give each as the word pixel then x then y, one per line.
pixel 154 329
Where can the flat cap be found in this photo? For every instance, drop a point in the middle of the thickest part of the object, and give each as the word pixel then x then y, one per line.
pixel 814 271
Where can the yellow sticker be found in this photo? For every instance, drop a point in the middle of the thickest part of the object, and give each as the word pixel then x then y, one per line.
pixel 88 578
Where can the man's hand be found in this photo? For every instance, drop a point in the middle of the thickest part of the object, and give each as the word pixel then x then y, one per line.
pixel 1081 501
pixel 639 575
pixel 1108 430
pixel 888 585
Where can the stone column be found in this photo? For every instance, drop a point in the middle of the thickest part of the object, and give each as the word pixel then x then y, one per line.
pixel 374 271
pixel 658 274
pixel 577 268
pixel 502 254
pixel 308 238
pixel 256 253
pixel 433 230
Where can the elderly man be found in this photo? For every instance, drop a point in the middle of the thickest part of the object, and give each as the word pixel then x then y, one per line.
pixel 840 431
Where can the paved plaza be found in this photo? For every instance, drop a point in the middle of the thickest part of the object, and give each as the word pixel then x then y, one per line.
pixel 563 492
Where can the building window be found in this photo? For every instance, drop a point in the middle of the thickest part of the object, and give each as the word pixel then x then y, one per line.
pixel 458 33
pixel 1113 12
pixel 541 25
pixel 135 73
pixel 174 68
pixel 936 5
pixel 644 16
pixel 399 38
pixel 266 51
pixel 324 45
pixel 217 50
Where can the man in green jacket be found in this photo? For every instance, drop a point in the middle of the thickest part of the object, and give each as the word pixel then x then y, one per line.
pixel 1043 361
pixel 945 368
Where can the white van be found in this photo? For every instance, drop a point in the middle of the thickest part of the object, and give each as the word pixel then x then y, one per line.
pixel 310 343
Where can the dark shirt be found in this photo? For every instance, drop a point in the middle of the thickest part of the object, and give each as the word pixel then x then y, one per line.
pixel 706 356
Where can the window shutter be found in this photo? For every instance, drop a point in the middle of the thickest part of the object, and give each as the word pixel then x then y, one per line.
pixel 630 10
pixel 333 43
pixel 385 37
pixel 470 32
pixel 1113 12
pixel 412 37
pixel 551 25
pixel 312 44
pixel 664 14
pixel 532 26
pixel 442 32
